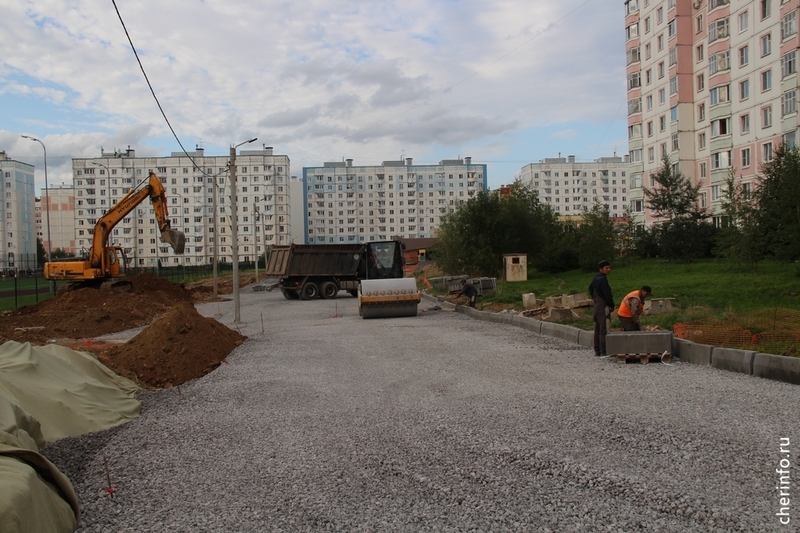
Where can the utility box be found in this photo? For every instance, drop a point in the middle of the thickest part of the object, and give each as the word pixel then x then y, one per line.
pixel 515 267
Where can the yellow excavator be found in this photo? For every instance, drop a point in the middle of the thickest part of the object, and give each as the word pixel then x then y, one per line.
pixel 106 264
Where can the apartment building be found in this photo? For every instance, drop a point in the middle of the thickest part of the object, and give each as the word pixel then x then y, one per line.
pixel 18 246
pixel 345 203
pixel 61 202
pixel 262 203
pixel 573 188
pixel 712 84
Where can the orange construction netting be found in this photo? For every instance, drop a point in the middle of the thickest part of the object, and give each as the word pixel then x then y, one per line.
pixel 775 330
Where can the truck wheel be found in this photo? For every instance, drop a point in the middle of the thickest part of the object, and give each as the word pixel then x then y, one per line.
pixel 290 295
pixel 309 291
pixel 329 289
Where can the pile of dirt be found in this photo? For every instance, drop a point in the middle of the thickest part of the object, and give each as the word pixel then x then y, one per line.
pixel 180 346
pixel 88 313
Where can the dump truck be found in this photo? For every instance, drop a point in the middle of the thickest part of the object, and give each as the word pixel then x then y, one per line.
pixel 371 272
pixel 106 264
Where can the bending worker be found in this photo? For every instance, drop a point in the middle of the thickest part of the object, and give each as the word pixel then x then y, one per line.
pixel 469 290
pixel 631 308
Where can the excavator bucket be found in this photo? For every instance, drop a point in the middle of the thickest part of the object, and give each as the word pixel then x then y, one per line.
pixel 388 298
pixel 174 238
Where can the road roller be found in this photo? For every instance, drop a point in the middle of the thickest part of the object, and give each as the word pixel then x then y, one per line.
pixel 388 298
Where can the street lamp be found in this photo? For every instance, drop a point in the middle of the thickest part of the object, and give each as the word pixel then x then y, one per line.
pixel 46 193
pixel 234 232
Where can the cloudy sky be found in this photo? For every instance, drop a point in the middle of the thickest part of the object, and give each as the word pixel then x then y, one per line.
pixel 507 82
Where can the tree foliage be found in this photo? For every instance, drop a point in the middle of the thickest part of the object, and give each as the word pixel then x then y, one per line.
pixel 739 240
pixel 778 199
pixel 597 236
pixel 684 235
pixel 475 236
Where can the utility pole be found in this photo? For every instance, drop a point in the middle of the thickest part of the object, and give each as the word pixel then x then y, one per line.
pixel 234 232
pixel 255 236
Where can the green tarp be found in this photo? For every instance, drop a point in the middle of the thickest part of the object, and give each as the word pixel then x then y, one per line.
pixel 47 393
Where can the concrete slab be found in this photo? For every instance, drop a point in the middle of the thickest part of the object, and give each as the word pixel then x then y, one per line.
pixel 568 333
pixel 527 323
pixel 696 354
pixel 778 367
pixel 733 360
pixel 633 342
pixel 658 306
pixel 586 338
pixel 548 328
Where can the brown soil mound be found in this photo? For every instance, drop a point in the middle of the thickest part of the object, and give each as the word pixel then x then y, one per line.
pixel 180 346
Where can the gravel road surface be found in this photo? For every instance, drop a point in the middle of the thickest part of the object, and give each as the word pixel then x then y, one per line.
pixel 322 421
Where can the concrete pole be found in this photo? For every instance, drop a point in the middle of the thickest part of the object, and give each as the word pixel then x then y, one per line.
pixel 216 239
pixel 255 236
pixel 235 238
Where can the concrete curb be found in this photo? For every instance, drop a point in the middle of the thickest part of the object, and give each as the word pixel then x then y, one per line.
pixel 768 366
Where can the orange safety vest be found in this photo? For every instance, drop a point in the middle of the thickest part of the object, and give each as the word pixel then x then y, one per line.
pixel 625 306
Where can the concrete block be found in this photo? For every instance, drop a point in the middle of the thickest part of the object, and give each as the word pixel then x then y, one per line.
pixel 777 367
pixel 529 300
pixel 586 338
pixel 658 306
pixel 527 323
pixel 632 342
pixel 568 333
pixel 576 300
pixel 733 360
pixel 548 328
pixel 559 314
pixel 696 354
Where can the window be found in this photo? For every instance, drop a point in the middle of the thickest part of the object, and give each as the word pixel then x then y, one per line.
pixel 766 9
pixel 715 193
pixel 744 56
pixel 673 56
pixel 789 102
pixel 662 123
pixel 647 51
pixel 790 139
pixel 651 154
pixel 632 31
pixel 766 149
pixel 743 22
pixel 699 24
pixel 721 126
pixel 649 76
pixel 701 112
pixel 717 30
pixel 650 128
pixel 701 82
pixel 766 45
pixel 660 42
pixel 634 131
pixel 702 170
pixel 661 70
pixel 720 160
pixel 633 55
pixel 634 80
pixel 744 120
pixel 745 157
pixel 659 15
pixel 701 141
pixel 673 113
pixel 675 146
pixel 698 52
pixel 788 25
pixel 713 4
pixel 766 80
pixel 671 28
pixel 719 94
pixel 634 106
pixel 673 85
pixel 662 97
pixel 649 102
pixel 744 90
pixel 766 116
pixel 631 6
pixel 647 25
pixel 789 64
pixel 718 61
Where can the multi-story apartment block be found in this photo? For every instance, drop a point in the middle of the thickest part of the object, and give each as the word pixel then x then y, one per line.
pixel 18 246
pixel 712 84
pixel 262 204
pixel 61 199
pixel 346 203
pixel 573 188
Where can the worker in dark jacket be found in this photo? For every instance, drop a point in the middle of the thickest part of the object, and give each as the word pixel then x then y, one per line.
pixel 631 307
pixel 469 290
pixel 600 291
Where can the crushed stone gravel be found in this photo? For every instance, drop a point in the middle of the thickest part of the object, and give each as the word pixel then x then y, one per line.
pixel 322 421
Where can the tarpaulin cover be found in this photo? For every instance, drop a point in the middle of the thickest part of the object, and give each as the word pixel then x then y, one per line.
pixel 47 393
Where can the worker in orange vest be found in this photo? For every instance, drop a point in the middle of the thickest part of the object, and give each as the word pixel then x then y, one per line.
pixel 631 308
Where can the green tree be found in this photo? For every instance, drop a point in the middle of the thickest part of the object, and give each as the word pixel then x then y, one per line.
pixel 778 198
pixel 684 233
pixel 740 240
pixel 477 233
pixel 596 237
pixel 41 254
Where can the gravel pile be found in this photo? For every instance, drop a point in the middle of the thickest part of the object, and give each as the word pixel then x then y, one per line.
pixel 327 422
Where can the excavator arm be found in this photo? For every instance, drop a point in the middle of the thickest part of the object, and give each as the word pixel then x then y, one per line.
pixel 155 191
